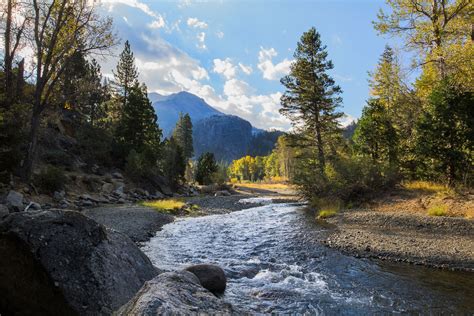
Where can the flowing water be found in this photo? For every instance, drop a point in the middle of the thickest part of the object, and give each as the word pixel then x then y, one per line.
pixel 275 264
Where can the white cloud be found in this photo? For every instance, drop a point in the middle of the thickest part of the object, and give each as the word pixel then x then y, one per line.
pixel 220 34
pixel 336 39
pixel 246 69
pixel 157 24
pixel 235 87
pixel 269 70
pixel 126 21
pixel 347 119
pixel 134 4
pixel 195 23
pixel 343 78
pixel 201 40
pixel 224 67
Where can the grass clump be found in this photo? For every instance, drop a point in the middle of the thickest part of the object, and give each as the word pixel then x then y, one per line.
pixel 327 208
pixel 438 210
pixel 167 205
pixel 327 213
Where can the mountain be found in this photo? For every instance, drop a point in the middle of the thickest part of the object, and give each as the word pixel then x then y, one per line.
pixel 229 137
pixel 168 108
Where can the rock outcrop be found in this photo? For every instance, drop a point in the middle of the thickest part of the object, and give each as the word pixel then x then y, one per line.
pixel 210 276
pixel 62 262
pixel 175 293
pixel 227 136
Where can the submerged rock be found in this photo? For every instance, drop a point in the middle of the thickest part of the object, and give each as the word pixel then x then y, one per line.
pixel 175 293
pixel 210 276
pixel 62 262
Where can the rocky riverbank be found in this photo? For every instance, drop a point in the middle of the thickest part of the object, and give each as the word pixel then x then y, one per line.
pixel 442 242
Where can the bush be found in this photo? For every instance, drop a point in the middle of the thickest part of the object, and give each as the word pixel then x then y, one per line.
pixel 50 179
pixel 346 179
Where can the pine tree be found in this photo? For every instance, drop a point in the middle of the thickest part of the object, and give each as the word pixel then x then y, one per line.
pixel 375 135
pixel 311 95
pixel 386 81
pixel 183 134
pixel 446 133
pixel 174 162
pixel 126 73
pixel 206 167
pixel 138 129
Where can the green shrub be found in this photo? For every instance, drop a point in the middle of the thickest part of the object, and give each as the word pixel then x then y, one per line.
pixel 95 145
pixel 50 179
pixel 346 179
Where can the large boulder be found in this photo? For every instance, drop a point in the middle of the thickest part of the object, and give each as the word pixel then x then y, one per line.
pixel 62 262
pixel 210 276
pixel 15 201
pixel 175 293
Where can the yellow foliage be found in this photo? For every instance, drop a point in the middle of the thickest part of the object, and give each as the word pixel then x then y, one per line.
pixel 166 205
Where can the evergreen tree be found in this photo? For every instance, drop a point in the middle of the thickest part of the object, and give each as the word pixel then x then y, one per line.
pixel 183 134
pixel 126 73
pixel 386 81
pixel 138 128
pixel 375 135
pixel 446 133
pixel 206 167
pixel 311 95
pixel 174 162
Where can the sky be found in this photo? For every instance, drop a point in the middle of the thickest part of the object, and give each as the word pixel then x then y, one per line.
pixel 233 53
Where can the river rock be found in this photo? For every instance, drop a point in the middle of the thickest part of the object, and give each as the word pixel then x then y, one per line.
pixel 3 210
pixel 62 263
pixel 210 276
pixel 107 188
pixel 15 201
pixel 117 175
pixel 175 293
pixel 222 193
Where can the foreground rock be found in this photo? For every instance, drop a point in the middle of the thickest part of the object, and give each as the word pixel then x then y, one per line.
pixel 210 276
pixel 61 263
pixel 137 222
pixel 175 293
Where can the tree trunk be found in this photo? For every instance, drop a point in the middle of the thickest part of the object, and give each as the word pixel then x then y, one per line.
pixel 20 81
pixel 319 144
pixel 33 142
pixel 8 57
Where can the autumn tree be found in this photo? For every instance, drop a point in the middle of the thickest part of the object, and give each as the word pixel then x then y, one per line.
pixel 312 96
pixel 429 27
pixel 59 30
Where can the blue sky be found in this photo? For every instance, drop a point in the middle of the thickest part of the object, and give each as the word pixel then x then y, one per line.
pixel 233 53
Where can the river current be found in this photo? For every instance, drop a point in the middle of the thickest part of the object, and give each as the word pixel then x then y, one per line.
pixel 275 263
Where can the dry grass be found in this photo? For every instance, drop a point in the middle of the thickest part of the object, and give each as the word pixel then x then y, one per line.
pixel 427 187
pixel 167 205
pixel 327 213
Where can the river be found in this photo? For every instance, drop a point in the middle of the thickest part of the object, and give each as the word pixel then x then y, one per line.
pixel 275 264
